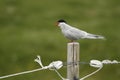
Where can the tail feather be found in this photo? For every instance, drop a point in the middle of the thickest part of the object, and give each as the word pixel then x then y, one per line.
pixel 92 36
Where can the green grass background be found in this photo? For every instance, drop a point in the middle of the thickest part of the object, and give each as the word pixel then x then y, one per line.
pixel 27 29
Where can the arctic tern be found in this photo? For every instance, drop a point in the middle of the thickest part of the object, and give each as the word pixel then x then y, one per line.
pixel 73 33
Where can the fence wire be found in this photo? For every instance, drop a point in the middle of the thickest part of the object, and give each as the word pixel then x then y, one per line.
pixel 55 65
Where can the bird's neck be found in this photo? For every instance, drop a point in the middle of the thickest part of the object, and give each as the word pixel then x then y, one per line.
pixel 64 26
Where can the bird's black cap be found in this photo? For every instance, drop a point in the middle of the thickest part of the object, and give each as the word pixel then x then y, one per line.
pixel 61 20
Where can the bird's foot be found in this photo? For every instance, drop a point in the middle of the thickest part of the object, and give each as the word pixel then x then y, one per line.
pixel 71 41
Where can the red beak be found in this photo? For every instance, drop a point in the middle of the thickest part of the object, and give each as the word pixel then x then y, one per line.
pixel 57 23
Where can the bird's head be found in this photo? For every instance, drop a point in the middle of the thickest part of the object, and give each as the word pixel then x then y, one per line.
pixel 60 21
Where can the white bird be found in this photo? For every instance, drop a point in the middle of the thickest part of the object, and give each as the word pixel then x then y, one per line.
pixel 73 33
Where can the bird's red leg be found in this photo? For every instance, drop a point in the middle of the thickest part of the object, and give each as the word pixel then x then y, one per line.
pixel 71 41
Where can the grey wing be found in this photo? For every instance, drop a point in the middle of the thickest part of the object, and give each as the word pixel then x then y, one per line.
pixel 75 33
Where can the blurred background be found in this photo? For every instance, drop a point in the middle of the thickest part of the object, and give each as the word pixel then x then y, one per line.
pixel 27 29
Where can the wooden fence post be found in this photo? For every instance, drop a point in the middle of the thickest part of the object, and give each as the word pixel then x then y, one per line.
pixel 73 61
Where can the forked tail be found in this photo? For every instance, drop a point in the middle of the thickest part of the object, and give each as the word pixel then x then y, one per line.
pixel 93 36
